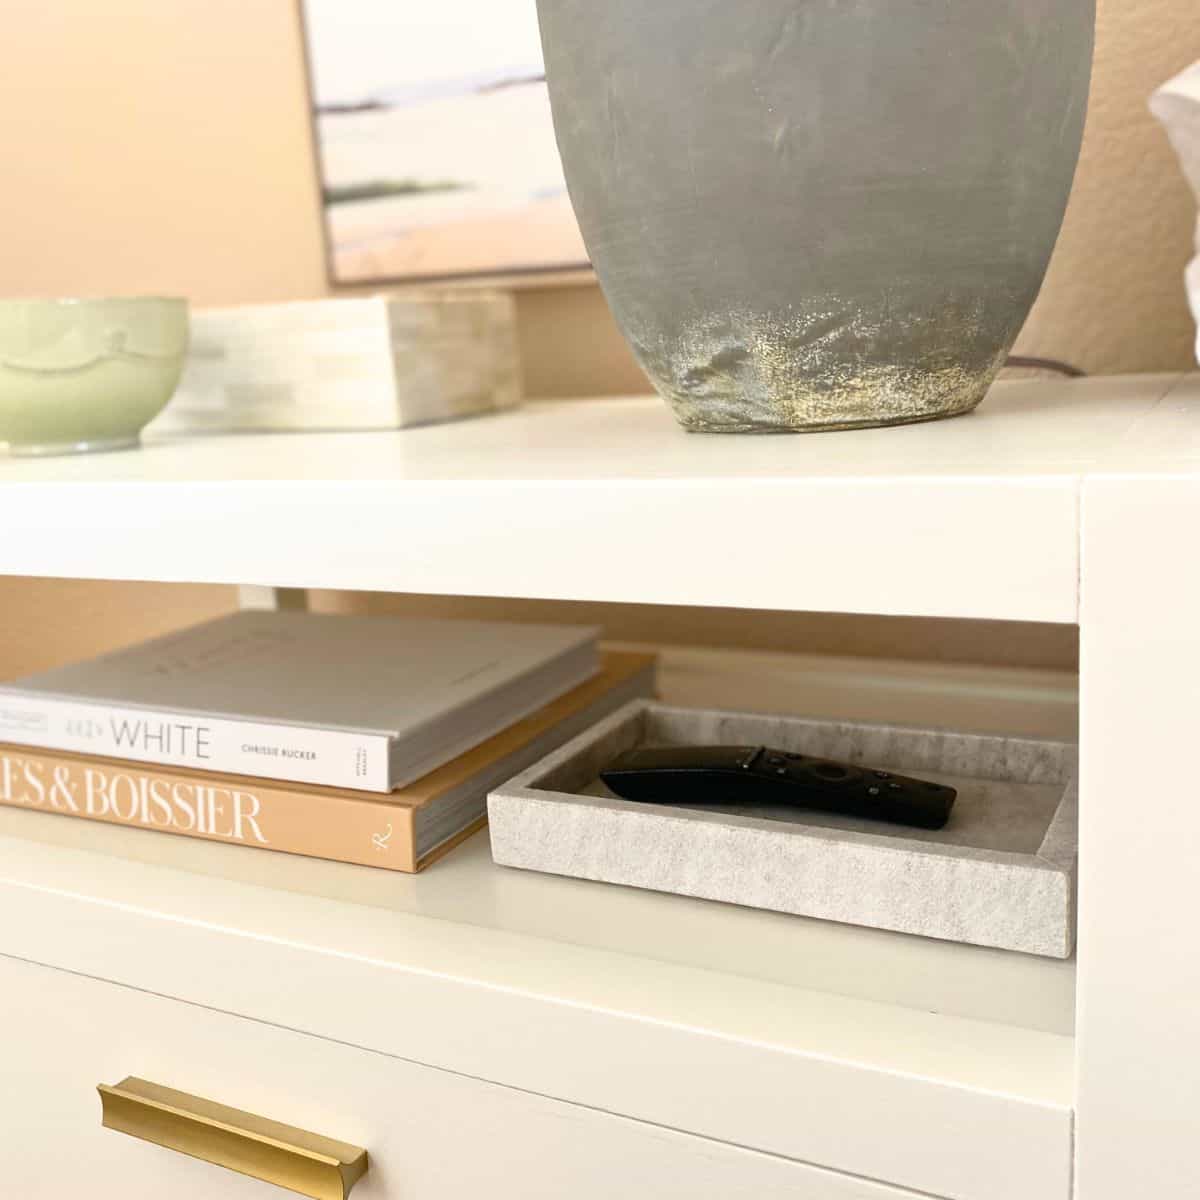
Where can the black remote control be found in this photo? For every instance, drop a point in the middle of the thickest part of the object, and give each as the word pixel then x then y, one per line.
pixel 698 775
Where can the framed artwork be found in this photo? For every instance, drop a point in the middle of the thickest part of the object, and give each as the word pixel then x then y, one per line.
pixel 434 141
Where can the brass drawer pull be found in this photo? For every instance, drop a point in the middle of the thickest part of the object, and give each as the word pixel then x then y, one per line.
pixel 292 1158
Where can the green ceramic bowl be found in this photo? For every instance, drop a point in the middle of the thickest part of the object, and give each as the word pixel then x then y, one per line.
pixel 82 375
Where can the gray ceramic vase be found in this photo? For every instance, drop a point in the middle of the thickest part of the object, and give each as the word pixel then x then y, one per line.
pixel 819 214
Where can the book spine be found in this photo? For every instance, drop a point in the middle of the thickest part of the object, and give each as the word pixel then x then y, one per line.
pixel 296 753
pixel 344 828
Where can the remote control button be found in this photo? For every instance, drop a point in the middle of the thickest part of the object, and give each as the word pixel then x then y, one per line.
pixel 882 774
pixel 872 791
pixel 830 771
pixel 896 787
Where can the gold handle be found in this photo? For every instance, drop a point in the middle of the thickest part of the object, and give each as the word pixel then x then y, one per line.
pixel 292 1158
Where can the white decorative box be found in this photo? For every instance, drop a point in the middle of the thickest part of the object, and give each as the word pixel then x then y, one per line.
pixel 380 362
pixel 1001 873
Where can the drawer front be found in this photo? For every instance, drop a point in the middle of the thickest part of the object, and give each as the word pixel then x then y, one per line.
pixel 430 1134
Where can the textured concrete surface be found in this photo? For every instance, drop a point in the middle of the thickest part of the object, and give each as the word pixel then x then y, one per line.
pixel 1000 874
pixel 819 216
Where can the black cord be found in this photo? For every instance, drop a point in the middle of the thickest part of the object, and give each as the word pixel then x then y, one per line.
pixel 1045 364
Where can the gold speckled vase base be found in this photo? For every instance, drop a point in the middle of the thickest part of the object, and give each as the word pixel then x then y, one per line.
pixel 832 426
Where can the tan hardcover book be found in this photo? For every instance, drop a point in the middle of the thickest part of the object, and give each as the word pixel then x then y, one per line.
pixel 403 830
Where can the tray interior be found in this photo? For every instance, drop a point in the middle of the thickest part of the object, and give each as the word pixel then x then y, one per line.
pixel 1009 790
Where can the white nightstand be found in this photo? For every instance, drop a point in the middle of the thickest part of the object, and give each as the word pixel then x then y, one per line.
pixel 484 1030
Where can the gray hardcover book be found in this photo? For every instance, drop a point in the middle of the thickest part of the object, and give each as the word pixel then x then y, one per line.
pixel 359 702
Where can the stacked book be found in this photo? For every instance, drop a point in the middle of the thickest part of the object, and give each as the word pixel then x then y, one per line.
pixel 365 740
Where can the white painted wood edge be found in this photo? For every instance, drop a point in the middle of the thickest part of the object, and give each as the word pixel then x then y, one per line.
pixel 966 547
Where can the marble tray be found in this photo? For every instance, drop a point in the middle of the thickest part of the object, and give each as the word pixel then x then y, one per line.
pixel 1001 873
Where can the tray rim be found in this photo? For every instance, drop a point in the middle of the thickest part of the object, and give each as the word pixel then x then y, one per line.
pixel 1056 856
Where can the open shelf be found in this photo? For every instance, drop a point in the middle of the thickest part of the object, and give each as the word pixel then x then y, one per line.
pixel 609 500
pixel 610 997
pixel 458 967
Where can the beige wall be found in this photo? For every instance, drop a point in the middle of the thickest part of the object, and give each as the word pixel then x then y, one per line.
pixel 165 147
pixel 1113 298
pixel 48 622
pixel 1012 643
pixel 154 146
